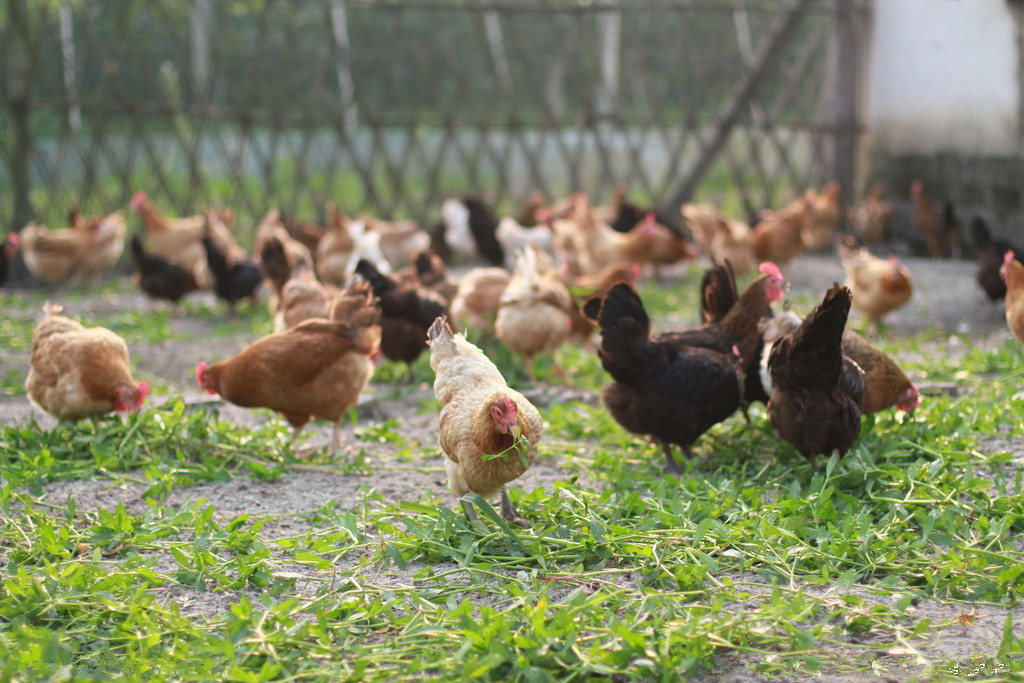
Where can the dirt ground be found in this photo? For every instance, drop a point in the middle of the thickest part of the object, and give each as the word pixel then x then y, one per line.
pixel 945 299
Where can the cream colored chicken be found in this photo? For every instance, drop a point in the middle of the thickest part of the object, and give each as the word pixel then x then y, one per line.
pixel 85 249
pixel 878 285
pixel 722 237
pixel 80 372
pixel 488 431
pixel 534 311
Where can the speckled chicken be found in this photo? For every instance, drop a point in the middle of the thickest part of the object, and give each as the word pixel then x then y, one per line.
pixel 488 431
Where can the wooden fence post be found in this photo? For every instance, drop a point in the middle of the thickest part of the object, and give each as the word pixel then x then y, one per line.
pixel 846 102
pixel 20 93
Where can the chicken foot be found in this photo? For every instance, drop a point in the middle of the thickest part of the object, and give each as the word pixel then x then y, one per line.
pixel 508 511
pixel 671 466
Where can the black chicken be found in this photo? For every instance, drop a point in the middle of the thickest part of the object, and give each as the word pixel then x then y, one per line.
pixel 818 390
pixel 160 278
pixel 990 259
pixel 669 391
pixel 407 312
pixel 232 281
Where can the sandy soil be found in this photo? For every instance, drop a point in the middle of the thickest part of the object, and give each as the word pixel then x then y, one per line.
pixel 946 300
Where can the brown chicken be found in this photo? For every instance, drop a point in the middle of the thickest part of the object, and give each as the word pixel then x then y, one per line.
pixel 271 226
pixel 779 237
pixel 308 234
pixel 871 219
pixel 84 250
pixel 818 390
pixel 662 388
pixel 80 372
pixel 723 238
pixel 534 312
pixel 878 285
pixel 822 221
pixel 885 384
pixel 433 274
pixel 650 242
pixel 940 228
pixel 1013 273
pixel 488 431
pixel 316 369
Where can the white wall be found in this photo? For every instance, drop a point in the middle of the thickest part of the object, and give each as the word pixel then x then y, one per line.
pixel 943 76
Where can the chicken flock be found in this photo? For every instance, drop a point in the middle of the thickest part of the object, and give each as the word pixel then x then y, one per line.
pixel 354 289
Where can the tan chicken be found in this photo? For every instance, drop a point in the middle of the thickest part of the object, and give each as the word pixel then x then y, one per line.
pixel 85 249
pixel 315 369
pixel 779 237
pixel 477 299
pixel 1013 273
pixel 878 285
pixel 722 237
pixel 514 237
pixel 488 431
pixel 534 311
pixel 822 221
pixel 303 297
pixel 400 241
pixel 871 218
pixel 80 372
pixel 180 240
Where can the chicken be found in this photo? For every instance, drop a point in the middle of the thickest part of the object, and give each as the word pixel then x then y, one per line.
pixel 233 279
pixel 400 241
pixel 818 390
pixel 1013 274
pixel 738 329
pixel 885 384
pixel 433 274
pixel 534 312
pixel 407 312
pixel 80 372
pixel 158 277
pixel 871 219
pixel 301 298
pixel 723 238
pixel 585 286
pixel 822 221
pixel 650 242
pixel 940 228
pixel 84 250
pixel 334 250
pixel 179 240
pixel 478 298
pixel 308 234
pixel 878 285
pixel 470 228
pixel 623 215
pixel 990 259
pixel 272 227
pixel 7 251
pixel 779 237
pixel 666 390
pixel 488 431
pixel 514 237
pixel 527 216
pixel 316 369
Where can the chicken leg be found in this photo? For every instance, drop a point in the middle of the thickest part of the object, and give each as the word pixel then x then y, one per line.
pixel 508 511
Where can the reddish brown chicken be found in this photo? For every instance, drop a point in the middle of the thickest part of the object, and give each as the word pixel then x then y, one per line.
pixel 939 226
pixel 1013 273
pixel 316 369
pixel 818 390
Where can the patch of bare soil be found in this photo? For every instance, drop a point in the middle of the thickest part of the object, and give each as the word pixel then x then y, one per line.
pixel 946 299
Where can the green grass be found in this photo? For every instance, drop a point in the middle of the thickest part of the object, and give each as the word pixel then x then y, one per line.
pixel 626 574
